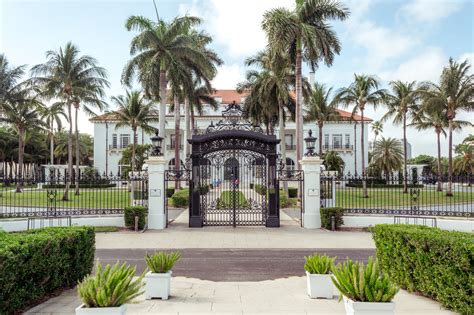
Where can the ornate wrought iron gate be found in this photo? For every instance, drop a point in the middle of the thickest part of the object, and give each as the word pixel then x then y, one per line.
pixel 233 172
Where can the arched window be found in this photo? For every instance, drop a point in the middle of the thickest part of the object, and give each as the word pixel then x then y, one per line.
pixel 231 169
pixel 290 164
pixel 171 164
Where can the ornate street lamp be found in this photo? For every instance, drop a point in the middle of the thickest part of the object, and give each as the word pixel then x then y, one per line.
pixel 156 143
pixel 310 144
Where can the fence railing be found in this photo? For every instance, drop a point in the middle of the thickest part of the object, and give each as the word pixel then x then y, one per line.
pixel 46 197
pixel 423 196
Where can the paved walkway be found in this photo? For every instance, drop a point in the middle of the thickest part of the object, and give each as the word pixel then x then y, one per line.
pixel 282 296
pixel 289 235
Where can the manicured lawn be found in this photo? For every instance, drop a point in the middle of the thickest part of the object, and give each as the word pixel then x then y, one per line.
pixel 227 197
pixel 352 198
pixel 88 198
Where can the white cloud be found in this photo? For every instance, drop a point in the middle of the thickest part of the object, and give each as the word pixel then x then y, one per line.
pixel 429 10
pixel 469 56
pixel 228 76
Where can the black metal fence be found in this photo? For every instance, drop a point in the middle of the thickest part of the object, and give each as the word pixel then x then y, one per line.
pixel 47 197
pixel 424 196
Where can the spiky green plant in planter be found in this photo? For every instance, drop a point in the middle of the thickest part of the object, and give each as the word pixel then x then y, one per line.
pixel 319 264
pixel 162 262
pixel 363 283
pixel 111 286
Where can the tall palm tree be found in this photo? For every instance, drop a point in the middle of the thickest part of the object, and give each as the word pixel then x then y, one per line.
pixel 387 155
pixel 433 118
pixel 333 161
pixel 136 112
pixel 377 128
pixel 363 91
pixel 402 103
pixel 52 115
pixel 464 162
pixel 74 80
pixel 306 34
pixel 321 108
pixel 454 94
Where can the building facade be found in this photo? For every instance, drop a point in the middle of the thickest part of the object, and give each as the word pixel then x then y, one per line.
pixel 342 136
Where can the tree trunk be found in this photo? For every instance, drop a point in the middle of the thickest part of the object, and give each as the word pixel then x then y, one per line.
pixel 298 101
pixel 440 172
pixel 134 148
pixel 355 148
pixel 51 143
pixel 362 151
pixel 163 98
pixel 67 178
pixel 177 140
pixel 405 173
pixel 320 126
pixel 20 178
pixel 78 154
pixel 193 123
pixel 187 128
pixel 281 132
pixel 450 159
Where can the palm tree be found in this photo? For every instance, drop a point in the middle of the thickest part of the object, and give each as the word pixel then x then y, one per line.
pixel 321 108
pixel 363 91
pixel 387 155
pixel 134 111
pixel 402 103
pixel 305 33
pixel 377 128
pixel 333 161
pixel 433 118
pixel 454 94
pixel 52 115
pixel 75 81
pixel 464 162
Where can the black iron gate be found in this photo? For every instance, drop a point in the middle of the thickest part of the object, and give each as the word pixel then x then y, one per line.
pixel 291 184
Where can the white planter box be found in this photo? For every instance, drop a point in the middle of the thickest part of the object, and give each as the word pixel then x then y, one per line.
pixel 81 310
pixel 157 285
pixel 319 286
pixel 368 308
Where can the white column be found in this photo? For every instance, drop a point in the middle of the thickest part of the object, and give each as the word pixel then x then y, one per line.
pixel 312 171
pixel 156 192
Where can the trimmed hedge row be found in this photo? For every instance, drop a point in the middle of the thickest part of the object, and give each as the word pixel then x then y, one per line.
pixel 35 264
pixel 137 211
pixel 181 198
pixel 439 264
pixel 60 186
pixel 327 213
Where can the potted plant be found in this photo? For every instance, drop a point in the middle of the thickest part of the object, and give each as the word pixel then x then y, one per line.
pixel 109 290
pixel 364 288
pixel 318 277
pixel 158 279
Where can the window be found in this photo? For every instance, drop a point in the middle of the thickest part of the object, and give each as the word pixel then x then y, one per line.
pixel 289 139
pixel 337 141
pixel 124 140
pixel 172 141
pixel 114 141
pixel 348 141
pixel 326 141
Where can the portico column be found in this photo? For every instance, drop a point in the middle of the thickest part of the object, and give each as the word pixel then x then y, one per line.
pixel 156 192
pixel 311 167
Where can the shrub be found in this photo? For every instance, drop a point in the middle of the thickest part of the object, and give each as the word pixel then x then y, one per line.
pixel 137 211
pixel 283 199
pixel 203 189
pixel 292 192
pixel 162 262
pixel 169 192
pixel 363 283
pixel 35 264
pixel 260 189
pixel 181 198
pixel 436 263
pixel 90 185
pixel 319 264
pixel 111 286
pixel 327 213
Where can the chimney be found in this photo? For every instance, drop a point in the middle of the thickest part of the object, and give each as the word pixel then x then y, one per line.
pixel 311 78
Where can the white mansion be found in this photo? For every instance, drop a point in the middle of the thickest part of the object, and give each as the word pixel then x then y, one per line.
pixel 109 141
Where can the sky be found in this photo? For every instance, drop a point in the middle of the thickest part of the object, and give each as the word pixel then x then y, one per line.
pixel 392 39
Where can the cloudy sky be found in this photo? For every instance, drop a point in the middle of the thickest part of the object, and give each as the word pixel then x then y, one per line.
pixel 393 39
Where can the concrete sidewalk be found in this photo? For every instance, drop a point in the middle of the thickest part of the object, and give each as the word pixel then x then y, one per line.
pixel 289 235
pixel 282 296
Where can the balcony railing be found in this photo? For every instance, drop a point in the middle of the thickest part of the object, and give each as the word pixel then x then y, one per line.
pixel 117 147
pixel 290 146
pixel 173 146
pixel 342 147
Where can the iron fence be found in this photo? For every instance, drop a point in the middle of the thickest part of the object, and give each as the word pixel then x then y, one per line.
pixel 47 197
pixel 423 196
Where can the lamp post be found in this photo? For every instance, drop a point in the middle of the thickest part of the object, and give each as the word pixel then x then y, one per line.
pixel 310 144
pixel 156 141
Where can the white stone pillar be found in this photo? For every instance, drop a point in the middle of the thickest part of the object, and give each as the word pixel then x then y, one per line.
pixel 311 167
pixel 156 192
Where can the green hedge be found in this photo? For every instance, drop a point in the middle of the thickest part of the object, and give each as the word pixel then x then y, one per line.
pixel 260 189
pixel 292 192
pixel 131 212
pixel 326 214
pixel 35 264
pixel 181 198
pixel 60 186
pixel 169 192
pixel 438 264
